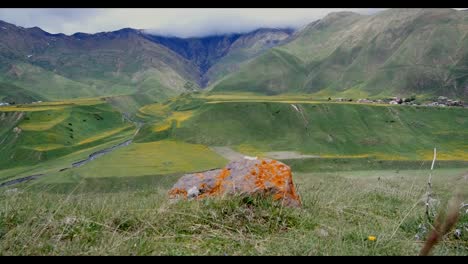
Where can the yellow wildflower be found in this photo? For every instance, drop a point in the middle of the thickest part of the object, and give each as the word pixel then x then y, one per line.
pixel 371 238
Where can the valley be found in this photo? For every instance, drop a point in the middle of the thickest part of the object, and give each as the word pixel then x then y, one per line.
pixel 310 134
pixel 119 199
pixel 96 128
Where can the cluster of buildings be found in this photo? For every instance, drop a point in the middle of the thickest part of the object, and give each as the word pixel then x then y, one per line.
pixel 441 101
pixel 5 104
pixel 393 100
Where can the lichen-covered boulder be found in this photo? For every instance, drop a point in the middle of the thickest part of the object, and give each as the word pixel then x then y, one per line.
pixel 245 176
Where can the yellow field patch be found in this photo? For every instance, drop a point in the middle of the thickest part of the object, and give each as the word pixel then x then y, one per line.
pixel 154 109
pixel 79 101
pixel 357 156
pixel 450 155
pixel 289 99
pixel 179 117
pixel 162 127
pixel 241 96
pixel 384 156
pixel 44 125
pixel 103 135
pixel 55 105
pixel 265 101
pixel 46 147
pixel 28 108
pixel 292 102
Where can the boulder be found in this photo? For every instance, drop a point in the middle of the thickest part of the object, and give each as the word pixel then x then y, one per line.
pixel 243 177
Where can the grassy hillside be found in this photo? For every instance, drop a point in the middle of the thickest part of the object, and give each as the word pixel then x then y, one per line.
pixel 155 83
pixel 13 94
pixel 397 52
pixel 118 203
pixel 35 133
pixel 325 129
pixel 152 158
pixel 122 62
pixel 344 136
pixel 394 52
pixel 245 48
pixel 275 72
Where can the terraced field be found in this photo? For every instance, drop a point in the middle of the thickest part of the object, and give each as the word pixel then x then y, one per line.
pixel 45 131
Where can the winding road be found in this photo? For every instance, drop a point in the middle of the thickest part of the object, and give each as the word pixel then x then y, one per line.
pixel 91 157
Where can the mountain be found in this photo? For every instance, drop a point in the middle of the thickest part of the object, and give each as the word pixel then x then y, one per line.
pixel 394 52
pixel 245 48
pixel 122 62
pixel 397 52
pixel 216 56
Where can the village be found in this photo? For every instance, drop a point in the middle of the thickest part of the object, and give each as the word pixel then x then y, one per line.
pixel 13 103
pixel 441 101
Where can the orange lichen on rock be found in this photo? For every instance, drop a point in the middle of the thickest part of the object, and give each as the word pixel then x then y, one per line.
pixel 218 187
pixel 245 176
pixel 175 192
pixel 277 177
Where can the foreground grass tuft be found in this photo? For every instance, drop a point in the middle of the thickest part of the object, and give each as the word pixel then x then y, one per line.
pixel 341 211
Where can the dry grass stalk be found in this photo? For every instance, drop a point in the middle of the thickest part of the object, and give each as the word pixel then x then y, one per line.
pixel 429 186
pixel 442 226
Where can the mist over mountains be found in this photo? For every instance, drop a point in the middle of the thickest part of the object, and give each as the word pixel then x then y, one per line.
pixel 393 52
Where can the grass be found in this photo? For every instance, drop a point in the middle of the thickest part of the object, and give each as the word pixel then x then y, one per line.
pixel 52 130
pixel 160 157
pixel 52 105
pixel 105 134
pixel 13 94
pixel 335 219
pixel 366 163
pixel 177 117
pixel 367 182
pixel 153 110
pixel 45 122
pixel 329 129
pixel 54 165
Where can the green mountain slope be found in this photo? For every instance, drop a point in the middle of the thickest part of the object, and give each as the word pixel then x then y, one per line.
pixel 245 48
pixel 272 73
pixel 394 52
pixel 13 94
pixel 123 62
pixel 84 65
pixel 317 128
pixel 41 132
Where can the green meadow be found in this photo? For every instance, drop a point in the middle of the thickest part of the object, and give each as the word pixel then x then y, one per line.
pixel 368 178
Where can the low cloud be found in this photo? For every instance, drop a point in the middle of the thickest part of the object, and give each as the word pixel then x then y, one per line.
pixel 181 22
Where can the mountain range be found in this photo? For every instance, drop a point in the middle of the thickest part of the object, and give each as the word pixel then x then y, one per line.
pixel 396 52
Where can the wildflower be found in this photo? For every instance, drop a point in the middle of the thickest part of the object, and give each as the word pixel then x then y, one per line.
pixel 371 238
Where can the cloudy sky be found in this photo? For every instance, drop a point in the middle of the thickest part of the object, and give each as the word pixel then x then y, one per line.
pixel 177 21
pixel 168 21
